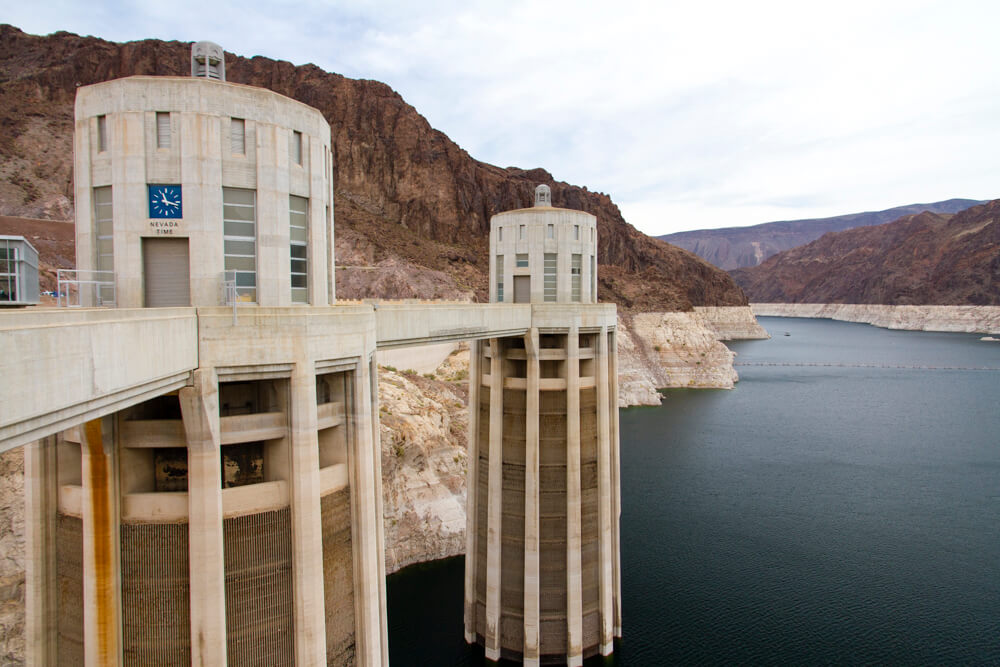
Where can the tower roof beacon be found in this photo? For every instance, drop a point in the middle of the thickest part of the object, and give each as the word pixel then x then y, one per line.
pixel 543 196
pixel 208 61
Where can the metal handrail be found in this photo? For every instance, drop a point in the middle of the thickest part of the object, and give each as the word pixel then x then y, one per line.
pixel 102 282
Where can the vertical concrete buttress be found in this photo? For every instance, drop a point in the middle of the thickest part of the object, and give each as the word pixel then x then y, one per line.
pixel 307 525
pixel 494 503
pixel 41 590
pixel 532 528
pixel 366 519
pixel 200 412
pixel 574 574
pixel 472 490
pixel 604 506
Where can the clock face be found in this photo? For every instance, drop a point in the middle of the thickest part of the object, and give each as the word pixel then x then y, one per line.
pixel 165 201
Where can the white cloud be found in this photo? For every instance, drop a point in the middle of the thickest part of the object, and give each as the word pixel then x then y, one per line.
pixel 688 114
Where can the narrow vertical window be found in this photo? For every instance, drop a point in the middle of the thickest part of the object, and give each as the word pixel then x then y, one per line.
pixel 499 274
pixel 549 278
pixel 102 134
pixel 575 273
pixel 103 236
pixel 162 129
pixel 298 237
pixel 593 279
pixel 239 223
pixel 499 234
pixel 550 231
pixel 576 232
pixel 521 232
pixel 237 136
pixel 591 234
pixel 296 147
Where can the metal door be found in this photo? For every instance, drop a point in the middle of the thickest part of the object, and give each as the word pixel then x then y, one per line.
pixel 166 272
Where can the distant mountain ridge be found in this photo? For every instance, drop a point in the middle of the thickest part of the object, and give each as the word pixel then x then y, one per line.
pixel 922 259
pixel 736 247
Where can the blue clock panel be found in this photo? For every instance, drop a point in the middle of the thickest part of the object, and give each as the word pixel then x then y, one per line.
pixel 165 201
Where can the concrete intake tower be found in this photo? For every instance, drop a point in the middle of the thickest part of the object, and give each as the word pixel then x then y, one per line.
pixel 542 575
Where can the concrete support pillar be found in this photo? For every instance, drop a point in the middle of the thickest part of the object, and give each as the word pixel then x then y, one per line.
pixel 494 504
pixel 604 494
pixel 366 520
pixel 616 493
pixel 472 493
pixel 307 524
pixel 102 640
pixel 207 563
pixel 41 488
pixel 532 581
pixel 574 568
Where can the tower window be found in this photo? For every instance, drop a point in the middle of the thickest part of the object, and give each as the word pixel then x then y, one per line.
pixel 237 136
pixel 576 270
pixel 576 232
pixel 550 231
pixel 522 232
pixel 298 236
pixel 499 274
pixel 162 129
pixel 296 147
pixel 102 134
pixel 549 277
pixel 239 223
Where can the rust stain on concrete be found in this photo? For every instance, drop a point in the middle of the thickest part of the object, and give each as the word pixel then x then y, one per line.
pixel 104 580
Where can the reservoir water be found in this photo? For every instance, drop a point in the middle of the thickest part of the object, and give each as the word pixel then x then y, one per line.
pixel 842 511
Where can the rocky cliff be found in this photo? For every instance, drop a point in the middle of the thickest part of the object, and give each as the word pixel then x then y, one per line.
pixel 736 247
pixel 403 191
pixel 12 556
pixel 924 259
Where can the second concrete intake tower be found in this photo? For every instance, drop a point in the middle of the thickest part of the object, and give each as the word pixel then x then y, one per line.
pixel 542 560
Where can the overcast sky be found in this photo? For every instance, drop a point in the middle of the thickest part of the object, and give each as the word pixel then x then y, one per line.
pixel 689 114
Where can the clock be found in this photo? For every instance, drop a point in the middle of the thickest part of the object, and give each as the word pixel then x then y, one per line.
pixel 165 201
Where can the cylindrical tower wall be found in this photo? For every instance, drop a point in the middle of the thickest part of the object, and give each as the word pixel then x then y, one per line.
pixel 543 255
pixel 216 176
pixel 535 573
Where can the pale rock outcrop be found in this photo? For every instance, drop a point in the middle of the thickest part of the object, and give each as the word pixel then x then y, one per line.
pixel 673 349
pixel 424 425
pixel 659 350
pixel 962 319
pixel 731 322
pixel 12 554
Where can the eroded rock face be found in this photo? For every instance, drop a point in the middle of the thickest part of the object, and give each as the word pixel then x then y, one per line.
pixel 12 557
pixel 924 259
pixel 424 426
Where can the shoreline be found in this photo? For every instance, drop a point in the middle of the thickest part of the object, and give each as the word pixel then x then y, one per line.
pixel 952 319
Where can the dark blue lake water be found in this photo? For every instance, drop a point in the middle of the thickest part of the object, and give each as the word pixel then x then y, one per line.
pixel 828 514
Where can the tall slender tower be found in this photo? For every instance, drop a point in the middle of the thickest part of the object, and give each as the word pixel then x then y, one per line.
pixel 542 577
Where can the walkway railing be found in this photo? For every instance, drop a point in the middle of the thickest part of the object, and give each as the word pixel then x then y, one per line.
pixel 77 287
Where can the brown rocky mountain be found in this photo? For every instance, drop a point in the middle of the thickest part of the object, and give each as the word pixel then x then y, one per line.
pixel 736 247
pixel 412 207
pixel 923 259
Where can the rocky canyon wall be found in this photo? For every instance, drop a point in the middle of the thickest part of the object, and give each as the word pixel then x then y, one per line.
pixel 962 319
